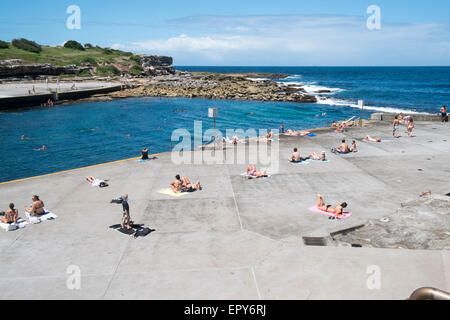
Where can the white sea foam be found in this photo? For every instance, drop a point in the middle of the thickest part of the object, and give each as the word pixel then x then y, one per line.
pixel 258 79
pixel 352 104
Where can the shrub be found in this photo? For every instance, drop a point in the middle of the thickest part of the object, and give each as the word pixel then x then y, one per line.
pixel 4 45
pixel 107 51
pixel 27 45
pixel 108 71
pixel 72 44
pixel 136 59
pixel 136 70
pixel 89 60
pixel 85 73
pixel 88 46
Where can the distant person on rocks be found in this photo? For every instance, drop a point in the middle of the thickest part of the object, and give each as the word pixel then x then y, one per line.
pixel 338 210
pixel 369 138
pixel 11 215
pixel 444 116
pixel 410 127
pixel 37 208
pixel 396 128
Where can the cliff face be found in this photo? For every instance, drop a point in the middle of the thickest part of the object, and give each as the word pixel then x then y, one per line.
pixel 15 68
pixel 157 65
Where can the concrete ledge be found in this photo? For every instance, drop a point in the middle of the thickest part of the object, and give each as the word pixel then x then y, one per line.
pixel 38 99
pixel 416 117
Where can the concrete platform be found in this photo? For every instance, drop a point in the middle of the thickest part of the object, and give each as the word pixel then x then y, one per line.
pixel 236 239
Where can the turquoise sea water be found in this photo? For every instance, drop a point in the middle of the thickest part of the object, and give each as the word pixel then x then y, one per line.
pixel 91 133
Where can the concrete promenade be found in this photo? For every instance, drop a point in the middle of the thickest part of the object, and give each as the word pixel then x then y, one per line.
pixel 238 238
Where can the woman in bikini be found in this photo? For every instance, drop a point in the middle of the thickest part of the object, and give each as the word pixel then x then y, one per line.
pixel 410 127
pixel 251 171
pixel 338 210
pixel 37 208
pixel 11 215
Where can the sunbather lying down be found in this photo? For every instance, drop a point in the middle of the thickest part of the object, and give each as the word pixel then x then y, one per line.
pixel 251 171
pixel 290 132
pixel 96 182
pixel 338 210
pixel 184 185
pixel 369 138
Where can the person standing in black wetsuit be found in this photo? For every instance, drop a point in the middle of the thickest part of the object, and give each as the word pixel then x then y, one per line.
pixel 444 116
pixel 126 213
pixel 144 154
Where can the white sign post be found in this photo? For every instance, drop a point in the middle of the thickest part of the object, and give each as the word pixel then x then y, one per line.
pixel 361 106
pixel 212 113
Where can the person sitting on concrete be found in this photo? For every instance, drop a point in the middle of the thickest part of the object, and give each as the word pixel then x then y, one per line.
pixel 353 147
pixel 11 215
pixel 144 154
pixel 338 210
pixel 187 186
pixel 37 208
pixel 269 136
pixel 251 171
pixel 314 156
pixel 296 157
pixel 96 182
pixel 370 139
pixel 343 148
pixel 126 220
pixel 177 185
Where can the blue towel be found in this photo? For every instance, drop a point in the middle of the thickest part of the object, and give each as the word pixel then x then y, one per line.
pixel 312 135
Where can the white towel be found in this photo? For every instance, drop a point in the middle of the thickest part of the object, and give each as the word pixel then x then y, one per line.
pixel 46 216
pixel 13 226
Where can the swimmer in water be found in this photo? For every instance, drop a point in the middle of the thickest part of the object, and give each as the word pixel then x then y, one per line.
pixel 41 149
pixel 22 137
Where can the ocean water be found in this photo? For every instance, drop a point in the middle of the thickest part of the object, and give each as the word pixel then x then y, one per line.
pixel 91 133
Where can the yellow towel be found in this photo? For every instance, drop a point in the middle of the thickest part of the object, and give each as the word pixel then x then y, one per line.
pixel 169 192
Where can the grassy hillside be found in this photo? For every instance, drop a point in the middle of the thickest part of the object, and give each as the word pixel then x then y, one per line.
pixel 60 56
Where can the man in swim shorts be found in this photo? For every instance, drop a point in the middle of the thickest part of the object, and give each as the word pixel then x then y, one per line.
pixel 396 127
pixel 338 210
pixel 343 148
pixel 296 156
pixel 444 116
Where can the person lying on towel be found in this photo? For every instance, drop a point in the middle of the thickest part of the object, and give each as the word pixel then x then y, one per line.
pixel 338 210
pixel 251 171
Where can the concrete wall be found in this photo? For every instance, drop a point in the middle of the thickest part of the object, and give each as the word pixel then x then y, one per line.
pixel 416 117
pixel 38 99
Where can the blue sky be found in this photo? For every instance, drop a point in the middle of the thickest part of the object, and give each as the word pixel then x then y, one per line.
pixel 288 33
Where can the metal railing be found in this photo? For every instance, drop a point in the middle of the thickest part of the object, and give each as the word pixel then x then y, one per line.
pixel 429 294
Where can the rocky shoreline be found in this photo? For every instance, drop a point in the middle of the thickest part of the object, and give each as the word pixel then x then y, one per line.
pixel 212 86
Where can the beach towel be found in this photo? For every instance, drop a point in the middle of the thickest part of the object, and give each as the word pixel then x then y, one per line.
pixel 311 135
pixel 301 162
pixel 45 217
pixel 325 161
pixel 169 192
pixel 146 160
pixel 317 210
pixel 245 175
pixel 13 226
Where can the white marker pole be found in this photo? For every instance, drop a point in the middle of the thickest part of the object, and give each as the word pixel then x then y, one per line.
pixel 361 105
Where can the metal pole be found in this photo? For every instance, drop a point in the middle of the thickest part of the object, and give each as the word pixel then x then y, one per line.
pixel 214 122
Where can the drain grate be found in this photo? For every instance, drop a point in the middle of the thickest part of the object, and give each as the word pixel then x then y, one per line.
pixel 314 241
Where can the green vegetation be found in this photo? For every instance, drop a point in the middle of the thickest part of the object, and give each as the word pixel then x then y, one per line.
pixel 108 71
pixel 4 45
pixel 88 46
pixel 72 44
pixel 96 57
pixel 136 70
pixel 27 45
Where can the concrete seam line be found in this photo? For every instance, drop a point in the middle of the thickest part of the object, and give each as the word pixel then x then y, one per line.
pixel 235 202
pixel 115 269
pixel 70 170
pixel 256 283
